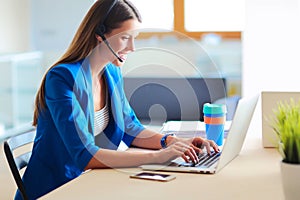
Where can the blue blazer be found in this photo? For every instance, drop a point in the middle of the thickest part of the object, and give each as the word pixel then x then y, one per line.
pixel 65 142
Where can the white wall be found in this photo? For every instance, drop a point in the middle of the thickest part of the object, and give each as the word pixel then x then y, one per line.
pixel 271 46
pixel 14 21
pixel 28 25
pixel 54 22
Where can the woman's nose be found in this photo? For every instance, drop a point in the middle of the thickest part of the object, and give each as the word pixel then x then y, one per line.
pixel 131 45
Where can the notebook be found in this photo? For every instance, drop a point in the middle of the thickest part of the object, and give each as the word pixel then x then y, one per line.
pixel 231 149
pixel 189 129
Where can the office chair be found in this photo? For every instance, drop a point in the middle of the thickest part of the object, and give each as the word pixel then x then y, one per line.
pixel 16 163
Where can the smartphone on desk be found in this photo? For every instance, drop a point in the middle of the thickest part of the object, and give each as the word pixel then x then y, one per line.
pixel 153 176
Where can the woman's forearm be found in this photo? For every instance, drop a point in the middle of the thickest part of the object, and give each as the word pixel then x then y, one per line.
pixel 105 158
pixel 151 140
pixel 148 139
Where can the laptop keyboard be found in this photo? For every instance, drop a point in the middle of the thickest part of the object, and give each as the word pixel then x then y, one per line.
pixel 205 160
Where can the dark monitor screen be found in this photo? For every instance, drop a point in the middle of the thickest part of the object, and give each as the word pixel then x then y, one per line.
pixel 164 99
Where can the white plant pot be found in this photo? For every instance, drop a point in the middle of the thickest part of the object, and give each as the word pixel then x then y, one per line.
pixel 290 174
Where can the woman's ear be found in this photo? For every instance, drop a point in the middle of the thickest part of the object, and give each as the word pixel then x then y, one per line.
pixel 99 38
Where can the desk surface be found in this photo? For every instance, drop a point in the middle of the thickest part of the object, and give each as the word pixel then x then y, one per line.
pixel 254 174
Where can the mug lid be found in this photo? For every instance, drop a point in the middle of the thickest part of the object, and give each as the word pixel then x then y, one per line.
pixel 209 108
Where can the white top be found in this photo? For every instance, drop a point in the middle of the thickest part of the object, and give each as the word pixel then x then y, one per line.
pixel 101 119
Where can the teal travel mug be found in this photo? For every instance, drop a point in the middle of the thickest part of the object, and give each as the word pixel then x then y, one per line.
pixel 214 119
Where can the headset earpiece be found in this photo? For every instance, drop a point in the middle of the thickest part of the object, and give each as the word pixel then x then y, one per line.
pixel 101 29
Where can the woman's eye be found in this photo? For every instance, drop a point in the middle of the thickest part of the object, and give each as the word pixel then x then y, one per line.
pixel 126 38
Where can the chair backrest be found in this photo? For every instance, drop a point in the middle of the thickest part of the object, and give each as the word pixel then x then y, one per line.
pixel 16 163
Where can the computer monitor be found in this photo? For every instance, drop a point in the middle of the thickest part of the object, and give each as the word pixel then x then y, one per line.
pixel 163 99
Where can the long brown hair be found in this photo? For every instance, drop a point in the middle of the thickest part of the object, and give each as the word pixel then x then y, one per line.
pixel 85 41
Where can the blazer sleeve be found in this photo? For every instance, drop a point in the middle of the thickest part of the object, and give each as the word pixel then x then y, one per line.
pixel 69 115
pixel 132 124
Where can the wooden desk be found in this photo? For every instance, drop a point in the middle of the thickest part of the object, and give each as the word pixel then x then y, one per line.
pixel 254 174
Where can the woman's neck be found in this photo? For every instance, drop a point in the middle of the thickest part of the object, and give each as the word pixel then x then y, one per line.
pixel 99 91
pixel 97 64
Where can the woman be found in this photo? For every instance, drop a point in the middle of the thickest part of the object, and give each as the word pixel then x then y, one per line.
pixel 82 96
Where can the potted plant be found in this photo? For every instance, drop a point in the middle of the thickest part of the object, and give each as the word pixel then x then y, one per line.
pixel 287 128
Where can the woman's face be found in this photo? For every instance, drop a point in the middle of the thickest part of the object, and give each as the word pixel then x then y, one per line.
pixel 122 41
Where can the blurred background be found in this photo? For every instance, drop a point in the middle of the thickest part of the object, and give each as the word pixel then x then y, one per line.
pixel 185 38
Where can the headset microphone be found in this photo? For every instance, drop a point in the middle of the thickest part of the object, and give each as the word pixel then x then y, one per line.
pixel 108 45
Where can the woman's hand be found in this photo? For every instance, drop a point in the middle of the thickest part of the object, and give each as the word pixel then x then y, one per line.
pixel 200 143
pixel 177 149
pixel 188 149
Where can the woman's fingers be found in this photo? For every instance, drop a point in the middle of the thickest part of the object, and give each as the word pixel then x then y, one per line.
pixel 192 154
pixel 214 146
pixel 191 148
pixel 208 144
pixel 187 152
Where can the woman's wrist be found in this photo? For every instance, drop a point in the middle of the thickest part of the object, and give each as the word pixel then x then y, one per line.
pixel 170 139
pixel 163 140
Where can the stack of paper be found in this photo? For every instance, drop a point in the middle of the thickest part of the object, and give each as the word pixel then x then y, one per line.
pixel 188 129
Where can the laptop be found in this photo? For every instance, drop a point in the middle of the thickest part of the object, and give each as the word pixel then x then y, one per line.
pixel 232 147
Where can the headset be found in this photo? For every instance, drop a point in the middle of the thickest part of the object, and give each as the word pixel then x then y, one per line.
pixel 101 29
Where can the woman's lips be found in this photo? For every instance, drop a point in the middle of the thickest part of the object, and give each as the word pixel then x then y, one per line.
pixel 123 57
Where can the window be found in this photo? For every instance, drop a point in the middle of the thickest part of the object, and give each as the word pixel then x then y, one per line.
pixel 214 15
pixel 156 14
pixel 160 17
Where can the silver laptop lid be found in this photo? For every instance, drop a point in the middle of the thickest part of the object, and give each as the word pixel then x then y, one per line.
pixel 238 130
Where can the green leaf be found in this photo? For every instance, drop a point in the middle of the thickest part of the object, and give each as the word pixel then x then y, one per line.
pixel 286 125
